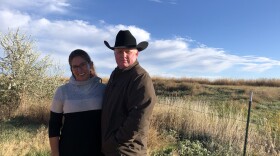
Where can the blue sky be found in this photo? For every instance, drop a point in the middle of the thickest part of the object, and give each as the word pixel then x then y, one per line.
pixel 187 38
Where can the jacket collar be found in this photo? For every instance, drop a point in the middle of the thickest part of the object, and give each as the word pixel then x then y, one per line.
pixel 128 68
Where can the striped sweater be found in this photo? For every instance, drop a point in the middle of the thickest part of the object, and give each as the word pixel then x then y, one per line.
pixel 79 103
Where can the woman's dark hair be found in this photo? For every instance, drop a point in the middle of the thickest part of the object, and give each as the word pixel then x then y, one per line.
pixel 84 55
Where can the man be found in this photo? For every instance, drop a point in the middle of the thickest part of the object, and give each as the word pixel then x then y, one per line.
pixel 128 101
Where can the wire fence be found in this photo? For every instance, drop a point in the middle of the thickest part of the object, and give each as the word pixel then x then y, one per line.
pixel 254 127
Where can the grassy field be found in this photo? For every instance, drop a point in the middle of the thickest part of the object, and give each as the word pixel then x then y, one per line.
pixel 214 113
pixel 25 134
pixel 191 117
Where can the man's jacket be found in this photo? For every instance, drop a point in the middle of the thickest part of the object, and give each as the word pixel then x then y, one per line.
pixel 127 108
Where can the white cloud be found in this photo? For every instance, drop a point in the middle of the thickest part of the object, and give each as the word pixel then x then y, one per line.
pixel 158 1
pixel 12 19
pixel 170 57
pixel 172 1
pixel 176 56
pixel 44 6
pixel 56 5
pixel 167 1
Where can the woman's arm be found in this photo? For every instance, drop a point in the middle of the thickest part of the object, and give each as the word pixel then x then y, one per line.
pixel 54 143
pixel 55 124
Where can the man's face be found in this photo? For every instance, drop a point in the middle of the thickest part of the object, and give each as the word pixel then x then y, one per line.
pixel 125 57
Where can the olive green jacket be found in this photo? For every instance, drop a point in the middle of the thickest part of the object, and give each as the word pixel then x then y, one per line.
pixel 127 108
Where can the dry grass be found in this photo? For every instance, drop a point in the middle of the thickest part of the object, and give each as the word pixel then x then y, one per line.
pixel 192 119
pixel 26 144
pixel 26 132
pixel 189 115
pixel 34 110
pixel 224 81
pixel 196 121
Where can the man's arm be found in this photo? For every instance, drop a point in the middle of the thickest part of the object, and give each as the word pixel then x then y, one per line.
pixel 141 99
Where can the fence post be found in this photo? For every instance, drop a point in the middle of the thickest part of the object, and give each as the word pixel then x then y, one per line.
pixel 247 125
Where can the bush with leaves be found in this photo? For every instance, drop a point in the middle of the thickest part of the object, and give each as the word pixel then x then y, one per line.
pixel 183 148
pixel 23 73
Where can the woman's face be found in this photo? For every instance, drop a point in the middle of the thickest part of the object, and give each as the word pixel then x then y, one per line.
pixel 80 68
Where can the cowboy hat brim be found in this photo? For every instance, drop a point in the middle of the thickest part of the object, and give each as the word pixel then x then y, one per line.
pixel 141 46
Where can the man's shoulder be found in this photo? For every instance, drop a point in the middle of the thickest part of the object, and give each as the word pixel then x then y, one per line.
pixel 140 70
pixel 140 73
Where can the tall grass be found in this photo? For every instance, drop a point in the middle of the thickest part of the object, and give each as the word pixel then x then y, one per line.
pixel 22 141
pixel 221 135
pixel 25 132
pixel 174 119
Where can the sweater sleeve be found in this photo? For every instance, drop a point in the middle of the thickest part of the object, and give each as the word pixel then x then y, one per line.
pixel 57 103
pixel 56 114
pixel 55 124
pixel 140 103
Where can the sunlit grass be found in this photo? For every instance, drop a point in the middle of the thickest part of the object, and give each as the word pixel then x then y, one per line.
pixel 222 135
pixel 190 116
pixel 21 139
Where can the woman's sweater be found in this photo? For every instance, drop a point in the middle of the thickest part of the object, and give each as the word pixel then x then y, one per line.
pixel 78 96
pixel 80 103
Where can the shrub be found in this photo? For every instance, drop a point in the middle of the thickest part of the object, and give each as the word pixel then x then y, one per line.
pixel 182 148
pixel 23 73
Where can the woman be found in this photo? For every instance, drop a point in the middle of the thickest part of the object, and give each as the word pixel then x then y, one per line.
pixel 74 126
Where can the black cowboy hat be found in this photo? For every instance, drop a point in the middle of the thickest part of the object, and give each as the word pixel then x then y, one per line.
pixel 125 39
